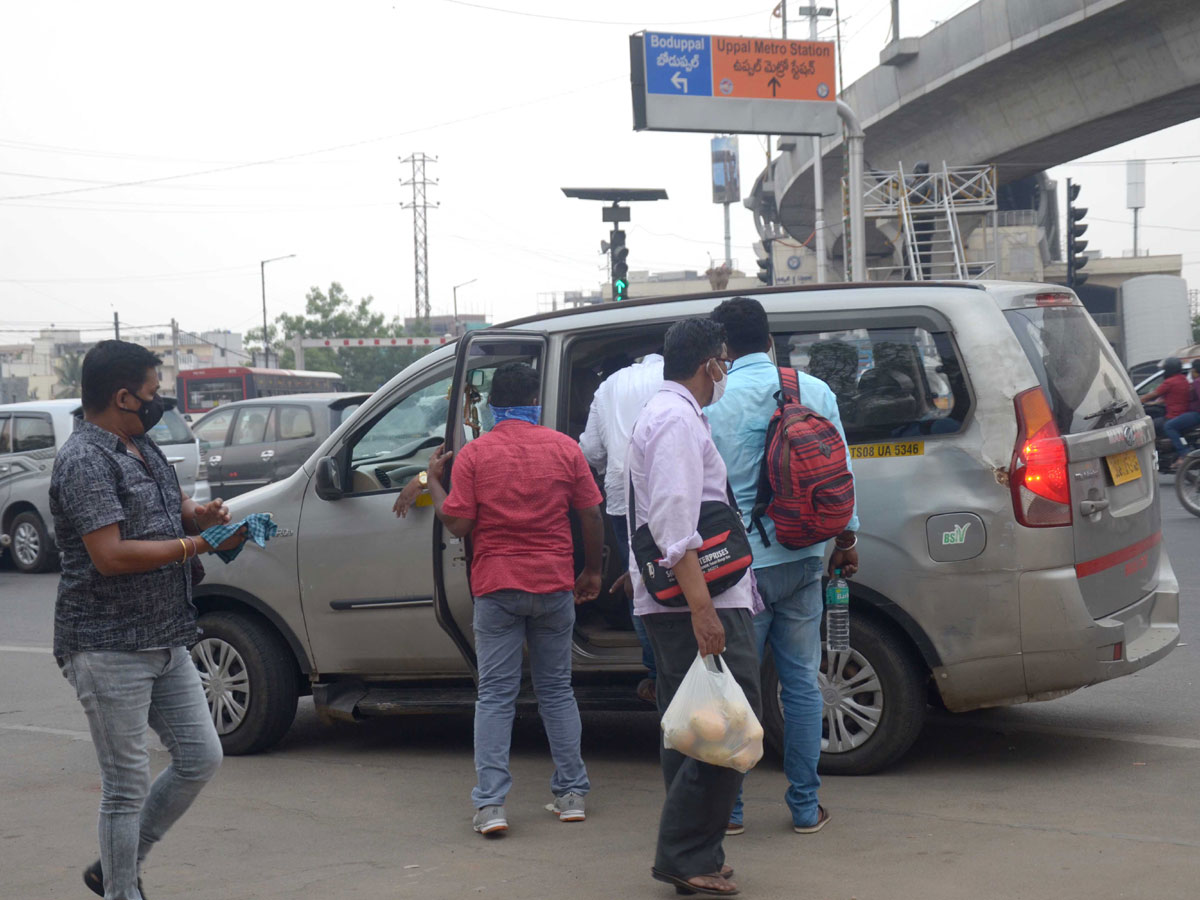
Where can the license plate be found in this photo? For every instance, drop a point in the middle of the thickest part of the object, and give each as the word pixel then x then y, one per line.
pixel 1124 466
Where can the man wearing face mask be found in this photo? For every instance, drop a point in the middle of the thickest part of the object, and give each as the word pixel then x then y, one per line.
pixel 124 616
pixel 674 466
pixel 512 490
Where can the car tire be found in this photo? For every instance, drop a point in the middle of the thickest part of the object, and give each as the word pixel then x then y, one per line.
pixel 1187 485
pixel 250 680
pixel 31 549
pixel 898 697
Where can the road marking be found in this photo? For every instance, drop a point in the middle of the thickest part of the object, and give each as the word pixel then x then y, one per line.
pixel 17 648
pixel 1157 740
pixel 37 729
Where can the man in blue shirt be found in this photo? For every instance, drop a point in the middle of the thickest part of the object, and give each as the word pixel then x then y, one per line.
pixel 788 580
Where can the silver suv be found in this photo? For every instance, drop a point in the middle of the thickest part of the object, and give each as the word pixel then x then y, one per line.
pixel 1011 541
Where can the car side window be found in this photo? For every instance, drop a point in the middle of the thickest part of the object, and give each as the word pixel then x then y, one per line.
pixel 890 383
pixel 253 426
pixel 214 428
pixel 32 433
pixel 295 422
pixel 5 434
pixel 407 427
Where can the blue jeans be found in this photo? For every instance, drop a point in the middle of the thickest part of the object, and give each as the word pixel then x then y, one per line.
pixel 122 692
pixel 1174 429
pixel 792 624
pixel 504 622
pixel 620 526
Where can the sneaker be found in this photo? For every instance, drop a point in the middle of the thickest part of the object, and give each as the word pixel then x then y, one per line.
pixel 490 820
pixel 822 821
pixel 569 808
pixel 734 828
pixel 93 877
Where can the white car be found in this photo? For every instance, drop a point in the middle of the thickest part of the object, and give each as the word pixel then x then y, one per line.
pixel 30 435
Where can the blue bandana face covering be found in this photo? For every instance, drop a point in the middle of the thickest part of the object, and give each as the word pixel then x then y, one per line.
pixel 530 414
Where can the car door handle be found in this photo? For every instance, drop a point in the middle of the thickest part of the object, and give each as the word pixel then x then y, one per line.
pixel 267 454
pixel 174 459
pixel 1091 507
pixel 214 460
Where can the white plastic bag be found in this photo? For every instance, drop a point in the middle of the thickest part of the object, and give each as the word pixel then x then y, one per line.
pixel 710 719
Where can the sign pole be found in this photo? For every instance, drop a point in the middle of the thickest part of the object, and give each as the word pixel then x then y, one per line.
pixel 855 138
pixel 728 238
pixel 818 174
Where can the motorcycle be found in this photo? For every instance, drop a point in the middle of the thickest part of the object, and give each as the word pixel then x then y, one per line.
pixel 1187 483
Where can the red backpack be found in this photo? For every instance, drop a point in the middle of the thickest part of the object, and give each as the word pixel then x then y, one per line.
pixel 805 485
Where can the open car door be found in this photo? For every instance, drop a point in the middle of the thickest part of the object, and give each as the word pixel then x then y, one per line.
pixel 479 355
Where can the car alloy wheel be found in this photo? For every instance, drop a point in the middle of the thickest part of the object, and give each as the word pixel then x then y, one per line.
pixel 27 543
pixel 226 682
pixel 853 700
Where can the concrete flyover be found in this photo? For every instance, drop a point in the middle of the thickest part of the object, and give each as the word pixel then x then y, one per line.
pixel 1025 84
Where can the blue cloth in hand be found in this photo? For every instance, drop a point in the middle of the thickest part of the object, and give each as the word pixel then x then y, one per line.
pixel 260 528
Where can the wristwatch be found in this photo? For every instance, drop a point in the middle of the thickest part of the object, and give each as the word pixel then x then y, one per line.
pixel 423 480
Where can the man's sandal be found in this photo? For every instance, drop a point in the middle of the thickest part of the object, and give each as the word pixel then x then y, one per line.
pixel 684 886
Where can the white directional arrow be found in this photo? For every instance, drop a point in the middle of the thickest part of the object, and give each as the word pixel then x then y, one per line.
pixel 679 81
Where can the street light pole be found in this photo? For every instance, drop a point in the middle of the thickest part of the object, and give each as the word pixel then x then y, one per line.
pixel 262 271
pixel 455 291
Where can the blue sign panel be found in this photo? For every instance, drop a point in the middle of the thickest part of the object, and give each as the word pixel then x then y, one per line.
pixel 678 64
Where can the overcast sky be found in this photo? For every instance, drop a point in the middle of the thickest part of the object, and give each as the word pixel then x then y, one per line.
pixel 288 118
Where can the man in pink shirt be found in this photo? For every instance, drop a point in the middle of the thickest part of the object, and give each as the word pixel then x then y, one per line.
pixel 674 466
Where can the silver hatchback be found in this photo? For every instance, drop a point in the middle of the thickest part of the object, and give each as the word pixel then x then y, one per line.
pixel 1011 538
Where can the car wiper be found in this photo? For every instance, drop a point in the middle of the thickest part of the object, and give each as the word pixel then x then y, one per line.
pixel 1109 411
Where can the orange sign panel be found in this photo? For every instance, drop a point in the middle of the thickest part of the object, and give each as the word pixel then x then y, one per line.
pixel 773 70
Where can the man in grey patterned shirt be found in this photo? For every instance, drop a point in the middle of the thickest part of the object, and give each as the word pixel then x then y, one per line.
pixel 124 616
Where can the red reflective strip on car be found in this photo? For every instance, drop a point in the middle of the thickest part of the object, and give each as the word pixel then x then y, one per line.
pixel 1092 566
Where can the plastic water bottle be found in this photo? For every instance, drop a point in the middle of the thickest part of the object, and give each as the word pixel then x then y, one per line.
pixel 837 613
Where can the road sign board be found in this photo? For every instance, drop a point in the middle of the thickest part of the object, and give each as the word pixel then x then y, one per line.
pixel 679 64
pixel 689 82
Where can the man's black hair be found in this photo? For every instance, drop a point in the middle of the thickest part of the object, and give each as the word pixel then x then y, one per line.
pixel 688 343
pixel 745 323
pixel 515 384
pixel 110 366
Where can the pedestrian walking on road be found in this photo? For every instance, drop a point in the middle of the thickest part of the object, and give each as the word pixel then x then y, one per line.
pixel 511 491
pixel 605 440
pixel 124 617
pixel 788 580
pixel 674 467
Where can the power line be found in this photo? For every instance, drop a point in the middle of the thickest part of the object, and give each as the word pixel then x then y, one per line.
pixel 277 159
pixel 575 21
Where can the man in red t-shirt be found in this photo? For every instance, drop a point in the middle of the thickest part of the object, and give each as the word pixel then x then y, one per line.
pixel 511 492
pixel 1175 391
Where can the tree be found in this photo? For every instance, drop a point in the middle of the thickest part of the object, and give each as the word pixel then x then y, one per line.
pixel 1196 329
pixel 336 315
pixel 69 370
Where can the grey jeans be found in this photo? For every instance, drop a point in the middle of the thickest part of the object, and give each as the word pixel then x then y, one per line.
pixel 122 692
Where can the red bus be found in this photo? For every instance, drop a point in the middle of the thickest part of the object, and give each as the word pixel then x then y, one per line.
pixel 200 390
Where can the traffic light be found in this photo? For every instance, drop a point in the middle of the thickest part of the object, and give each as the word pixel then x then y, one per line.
pixel 619 254
pixel 766 266
pixel 1075 229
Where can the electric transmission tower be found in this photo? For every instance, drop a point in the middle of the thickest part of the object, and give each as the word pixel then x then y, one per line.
pixel 420 205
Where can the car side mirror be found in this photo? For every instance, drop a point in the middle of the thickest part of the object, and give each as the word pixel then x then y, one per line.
pixel 329 479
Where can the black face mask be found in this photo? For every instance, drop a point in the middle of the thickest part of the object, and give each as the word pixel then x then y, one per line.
pixel 149 413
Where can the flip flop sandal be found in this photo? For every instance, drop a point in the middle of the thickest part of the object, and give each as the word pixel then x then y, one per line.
pixel 683 886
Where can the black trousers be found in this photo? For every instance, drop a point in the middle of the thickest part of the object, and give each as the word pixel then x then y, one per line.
pixel 700 796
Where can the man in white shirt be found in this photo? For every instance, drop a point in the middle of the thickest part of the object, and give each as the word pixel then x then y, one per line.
pixel 605 442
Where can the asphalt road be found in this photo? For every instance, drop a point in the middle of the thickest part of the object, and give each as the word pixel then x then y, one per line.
pixel 1093 795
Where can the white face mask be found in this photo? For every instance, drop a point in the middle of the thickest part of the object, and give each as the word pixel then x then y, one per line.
pixel 718 386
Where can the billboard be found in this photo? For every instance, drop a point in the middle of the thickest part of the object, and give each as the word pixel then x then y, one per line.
pixel 726 185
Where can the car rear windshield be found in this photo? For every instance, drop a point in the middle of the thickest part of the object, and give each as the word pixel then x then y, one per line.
pixel 171 429
pixel 1086 385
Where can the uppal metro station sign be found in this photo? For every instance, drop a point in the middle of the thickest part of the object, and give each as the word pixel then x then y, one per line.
pixel 693 82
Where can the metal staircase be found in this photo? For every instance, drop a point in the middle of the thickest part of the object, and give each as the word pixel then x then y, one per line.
pixel 923 214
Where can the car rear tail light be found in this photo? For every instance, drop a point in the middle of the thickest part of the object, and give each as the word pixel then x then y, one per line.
pixel 1054 298
pixel 1040 482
